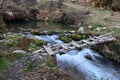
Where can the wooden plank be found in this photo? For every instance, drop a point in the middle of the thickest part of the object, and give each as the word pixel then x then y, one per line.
pixel 92 39
pixel 63 46
pixel 83 45
pixel 75 44
pixel 38 51
pixel 86 41
pixel 49 51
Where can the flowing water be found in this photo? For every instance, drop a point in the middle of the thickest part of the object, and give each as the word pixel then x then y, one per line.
pixel 75 62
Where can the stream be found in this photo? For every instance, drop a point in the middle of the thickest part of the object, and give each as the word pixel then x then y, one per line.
pixel 75 63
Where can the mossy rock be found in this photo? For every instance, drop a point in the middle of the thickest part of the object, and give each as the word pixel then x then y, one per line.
pixel 65 39
pixel 83 36
pixel 76 37
pixel 14 37
pixel 11 39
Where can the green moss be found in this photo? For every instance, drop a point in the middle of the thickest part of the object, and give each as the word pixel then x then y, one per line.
pixel 83 36
pixel 50 61
pixel 76 37
pixel 14 37
pixel 32 47
pixel 37 42
pixel 51 32
pixel 65 39
pixel 95 25
pixel 10 40
pixel 50 64
pixel 4 63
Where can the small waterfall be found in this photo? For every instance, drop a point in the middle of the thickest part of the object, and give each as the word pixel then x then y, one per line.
pixel 51 39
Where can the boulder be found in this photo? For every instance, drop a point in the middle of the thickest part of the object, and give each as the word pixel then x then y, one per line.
pixel 88 57
pixel 19 52
pixel 9 15
pixel 115 5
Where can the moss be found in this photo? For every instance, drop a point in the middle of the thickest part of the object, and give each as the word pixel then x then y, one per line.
pixel 76 37
pixel 51 32
pixel 4 63
pixel 14 37
pixel 65 39
pixel 37 42
pixel 32 47
pixel 10 40
pixel 83 36
pixel 95 25
pixel 50 61
pixel 50 64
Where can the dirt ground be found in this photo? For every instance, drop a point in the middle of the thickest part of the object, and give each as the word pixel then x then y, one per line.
pixel 107 18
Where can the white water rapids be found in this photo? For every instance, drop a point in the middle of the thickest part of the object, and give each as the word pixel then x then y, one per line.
pixel 96 68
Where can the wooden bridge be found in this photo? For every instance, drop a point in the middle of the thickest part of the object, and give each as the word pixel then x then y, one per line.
pixel 64 47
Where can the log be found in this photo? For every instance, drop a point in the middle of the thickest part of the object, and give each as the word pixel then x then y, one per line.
pixel 38 51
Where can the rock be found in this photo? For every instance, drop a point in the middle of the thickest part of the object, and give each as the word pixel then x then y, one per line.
pixel 19 52
pixel 9 15
pixel 98 29
pixel 1 37
pixel 81 29
pixel 103 28
pixel 90 27
pixel 88 57
pixel 115 5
